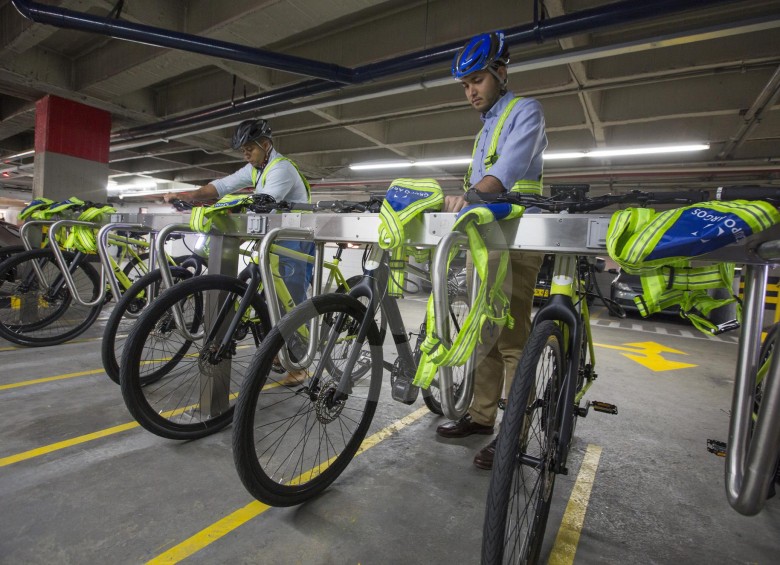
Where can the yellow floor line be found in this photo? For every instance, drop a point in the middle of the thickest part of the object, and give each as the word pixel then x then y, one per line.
pixel 67 443
pixel 50 379
pixel 571 526
pixel 241 516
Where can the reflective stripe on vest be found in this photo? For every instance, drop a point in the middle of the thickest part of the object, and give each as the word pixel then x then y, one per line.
pixel 268 168
pixel 524 186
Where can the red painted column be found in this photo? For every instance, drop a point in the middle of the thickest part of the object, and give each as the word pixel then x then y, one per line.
pixel 71 150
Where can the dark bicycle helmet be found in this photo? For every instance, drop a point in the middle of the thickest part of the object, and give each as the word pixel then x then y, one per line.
pixel 482 52
pixel 250 130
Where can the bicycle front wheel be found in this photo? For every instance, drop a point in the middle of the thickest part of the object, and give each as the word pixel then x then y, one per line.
pixel 293 437
pixel 183 384
pixel 459 309
pixel 133 301
pixel 41 311
pixel 523 476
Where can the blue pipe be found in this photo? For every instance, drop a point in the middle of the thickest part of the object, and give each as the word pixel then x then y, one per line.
pixel 121 29
pixel 329 77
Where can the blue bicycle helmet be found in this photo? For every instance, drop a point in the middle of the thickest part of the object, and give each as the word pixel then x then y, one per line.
pixel 250 130
pixel 483 52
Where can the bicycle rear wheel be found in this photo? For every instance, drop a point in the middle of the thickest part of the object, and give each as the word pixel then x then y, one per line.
pixel 523 476
pixel 459 309
pixel 37 312
pixel 118 325
pixel 290 441
pixel 182 388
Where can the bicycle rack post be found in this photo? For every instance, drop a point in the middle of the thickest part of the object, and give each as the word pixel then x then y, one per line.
pixel 264 262
pixel 65 268
pixel 452 407
pixel 105 259
pixel 751 457
pixel 27 238
pixel 215 381
pixel 167 278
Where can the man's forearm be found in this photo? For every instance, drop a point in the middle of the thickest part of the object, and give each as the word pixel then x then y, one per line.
pixel 489 183
pixel 207 192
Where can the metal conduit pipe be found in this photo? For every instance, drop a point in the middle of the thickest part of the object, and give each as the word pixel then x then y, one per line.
pixel 332 77
pixel 159 37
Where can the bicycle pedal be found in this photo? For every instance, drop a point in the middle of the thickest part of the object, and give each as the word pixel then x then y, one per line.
pixel 581 411
pixel 604 407
pixel 717 447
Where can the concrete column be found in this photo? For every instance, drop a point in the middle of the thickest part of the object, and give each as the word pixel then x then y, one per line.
pixel 71 150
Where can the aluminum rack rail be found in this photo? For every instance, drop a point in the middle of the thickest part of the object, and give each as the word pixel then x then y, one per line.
pixel 749 462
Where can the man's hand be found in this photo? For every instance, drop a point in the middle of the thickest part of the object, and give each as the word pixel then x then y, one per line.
pixel 454 203
pixel 168 196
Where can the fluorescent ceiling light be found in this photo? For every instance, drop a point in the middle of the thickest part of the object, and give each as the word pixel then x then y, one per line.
pixel 564 155
pixel 647 150
pixel 387 165
pixel 402 164
pixel 595 154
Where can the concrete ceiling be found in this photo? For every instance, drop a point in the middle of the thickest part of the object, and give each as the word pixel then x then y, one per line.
pixel 705 75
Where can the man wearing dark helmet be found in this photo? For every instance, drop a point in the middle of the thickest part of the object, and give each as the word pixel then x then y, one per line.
pixel 507 157
pixel 270 173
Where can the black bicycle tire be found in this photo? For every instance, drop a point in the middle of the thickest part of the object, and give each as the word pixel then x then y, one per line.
pixel 21 334
pixel 429 397
pixel 245 456
pixel 108 347
pixel 133 384
pixel 9 250
pixel 382 325
pixel 543 335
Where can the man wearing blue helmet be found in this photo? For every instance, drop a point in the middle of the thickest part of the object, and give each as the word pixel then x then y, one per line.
pixel 269 172
pixel 507 157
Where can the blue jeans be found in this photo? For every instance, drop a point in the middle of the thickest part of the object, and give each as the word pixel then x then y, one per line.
pixel 296 274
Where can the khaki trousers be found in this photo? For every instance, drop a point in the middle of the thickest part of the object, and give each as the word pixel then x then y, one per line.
pixel 499 352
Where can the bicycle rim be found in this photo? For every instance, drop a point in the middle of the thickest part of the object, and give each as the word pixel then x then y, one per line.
pixel 185 389
pixel 459 309
pixel 34 314
pixel 292 440
pixel 523 475
pixel 118 326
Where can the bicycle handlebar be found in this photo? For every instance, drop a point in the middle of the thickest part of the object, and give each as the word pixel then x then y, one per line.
pixel 639 197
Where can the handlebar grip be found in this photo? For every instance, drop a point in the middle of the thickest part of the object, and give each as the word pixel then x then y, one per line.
pixel 754 192
pixel 476 197
pixel 681 196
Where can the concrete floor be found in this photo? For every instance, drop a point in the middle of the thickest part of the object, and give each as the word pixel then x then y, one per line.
pixel 129 496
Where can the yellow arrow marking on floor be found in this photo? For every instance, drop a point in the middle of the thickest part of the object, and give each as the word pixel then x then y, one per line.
pixel 648 354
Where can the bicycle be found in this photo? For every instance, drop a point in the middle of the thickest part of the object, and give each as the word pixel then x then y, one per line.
pixel 555 371
pixel 291 442
pixel 222 319
pixel 50 296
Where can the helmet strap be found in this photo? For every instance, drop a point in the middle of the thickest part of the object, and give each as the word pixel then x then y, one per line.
pixel 502 82
pixel 267 155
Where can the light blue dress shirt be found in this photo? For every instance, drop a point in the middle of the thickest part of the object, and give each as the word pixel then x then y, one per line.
pixel 521 143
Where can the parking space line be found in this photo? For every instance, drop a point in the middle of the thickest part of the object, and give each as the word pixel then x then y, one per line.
pixel 4 461
pixel 51 379
pixel 241 516
pixel 571 526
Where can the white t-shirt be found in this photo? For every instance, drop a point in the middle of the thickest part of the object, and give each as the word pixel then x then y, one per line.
pixel 282 181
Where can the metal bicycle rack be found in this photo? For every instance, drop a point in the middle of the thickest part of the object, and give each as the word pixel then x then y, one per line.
pixel 750 456
pixel 102 245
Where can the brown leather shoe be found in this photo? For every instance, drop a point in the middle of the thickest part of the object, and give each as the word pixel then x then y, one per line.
pixel 484 459
pixel 463 428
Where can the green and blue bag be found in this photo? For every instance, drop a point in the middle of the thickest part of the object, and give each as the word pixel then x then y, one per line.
pixel 659 246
